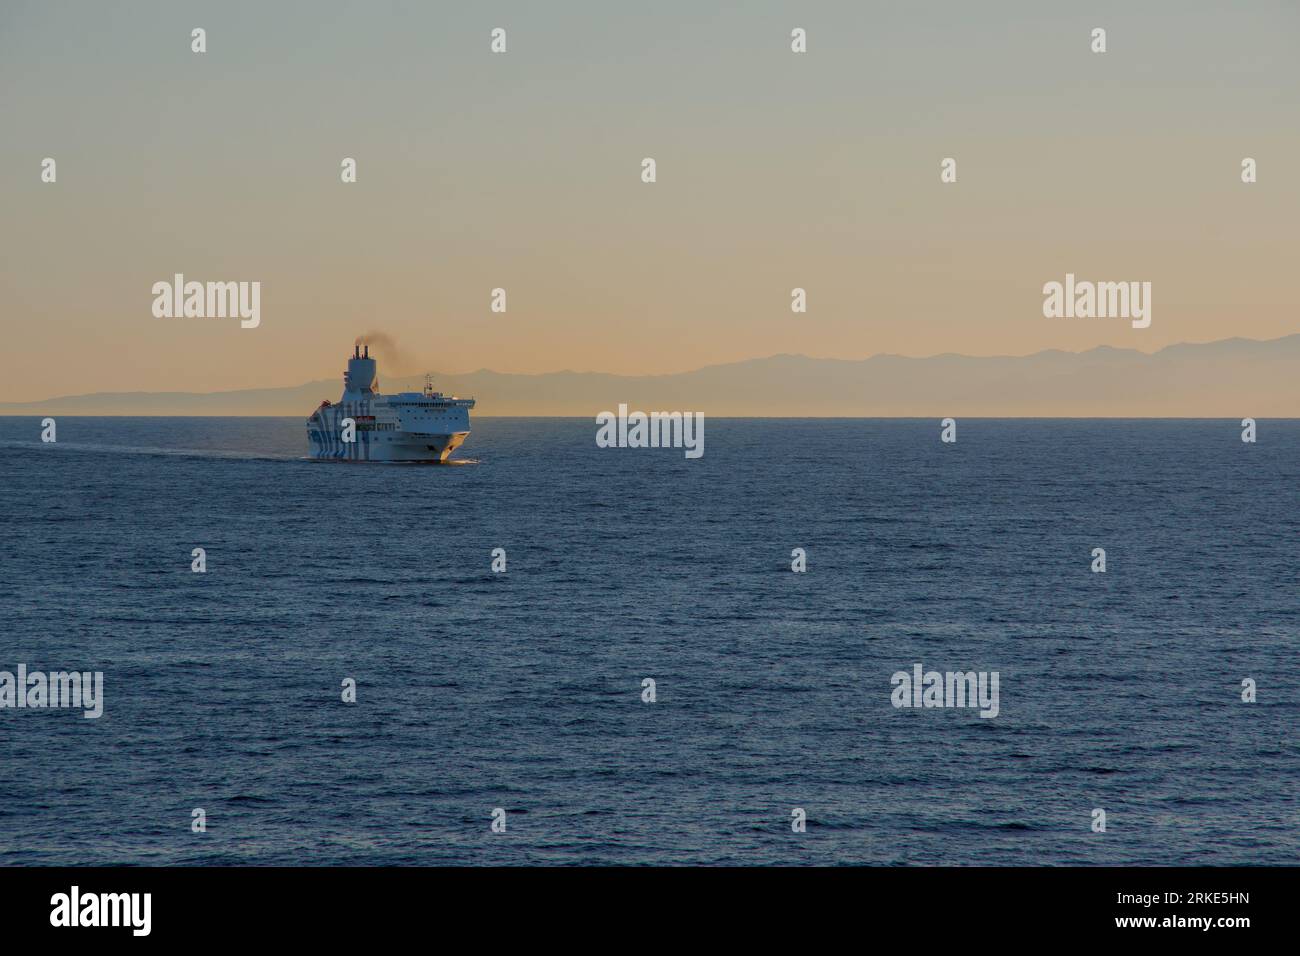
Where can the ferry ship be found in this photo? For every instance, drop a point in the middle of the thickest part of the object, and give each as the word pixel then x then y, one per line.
pixel 408 426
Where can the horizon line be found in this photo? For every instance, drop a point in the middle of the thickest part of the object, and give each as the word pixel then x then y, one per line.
pixel 758 418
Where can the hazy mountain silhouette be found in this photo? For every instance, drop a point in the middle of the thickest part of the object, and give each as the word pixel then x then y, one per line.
pixel 1232 377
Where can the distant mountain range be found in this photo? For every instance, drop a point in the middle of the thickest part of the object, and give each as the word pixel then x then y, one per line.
pixel 1229 378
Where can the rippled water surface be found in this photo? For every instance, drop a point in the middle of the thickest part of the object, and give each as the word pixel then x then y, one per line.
pixel 522 690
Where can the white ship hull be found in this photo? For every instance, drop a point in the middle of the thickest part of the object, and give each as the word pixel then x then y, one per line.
pixel 365 426
pixel 438 449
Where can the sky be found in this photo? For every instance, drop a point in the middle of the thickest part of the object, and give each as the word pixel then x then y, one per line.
pixel 522 171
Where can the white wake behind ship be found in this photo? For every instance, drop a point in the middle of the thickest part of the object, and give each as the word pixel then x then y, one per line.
pixel 409 426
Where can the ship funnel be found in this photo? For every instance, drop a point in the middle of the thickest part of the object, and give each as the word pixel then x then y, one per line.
pixel 362 375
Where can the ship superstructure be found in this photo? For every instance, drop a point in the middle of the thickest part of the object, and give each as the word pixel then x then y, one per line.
pixel 408 426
